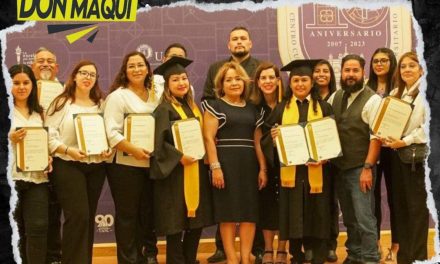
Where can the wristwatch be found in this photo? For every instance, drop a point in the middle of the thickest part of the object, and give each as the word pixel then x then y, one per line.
pixel 368 165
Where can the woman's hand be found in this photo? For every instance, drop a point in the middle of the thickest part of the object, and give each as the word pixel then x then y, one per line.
pixel 274 132
pixel 218 180
pixel 316 163
pixel 394 143
pixel 49 168
pixel 106 153
pixel 187 160
pixel 17 135
pixel 141 154
pixel 76 154
pixel 262 179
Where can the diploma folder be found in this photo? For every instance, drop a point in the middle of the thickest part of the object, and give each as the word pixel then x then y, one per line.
pixel 311 141
pixel 47 91
pixel 33 152
pixel 188 137
pixel 139 130
pixel 90 133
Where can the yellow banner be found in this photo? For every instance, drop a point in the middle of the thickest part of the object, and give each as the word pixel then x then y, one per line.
pixel 77 10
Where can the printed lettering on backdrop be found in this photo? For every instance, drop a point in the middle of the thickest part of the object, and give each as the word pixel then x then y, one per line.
pixel 278 34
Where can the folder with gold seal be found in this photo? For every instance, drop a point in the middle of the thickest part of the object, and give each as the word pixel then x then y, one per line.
pixel 90 133
pixel 188 138
pixel 33 151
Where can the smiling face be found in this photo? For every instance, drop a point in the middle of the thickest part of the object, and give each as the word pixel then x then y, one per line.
pixel 233 84
pixel 240 43
pixel 178 85
pixel 21 87
pixel 45 66
pixel 136 70
pixel 85 78
pixel 301 86
pixel 268 81
pixel 322 75
pixel 410 71
pixel 381 64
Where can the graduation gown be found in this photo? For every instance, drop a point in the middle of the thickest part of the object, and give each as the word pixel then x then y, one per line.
pixel 301 214
pixel 170 213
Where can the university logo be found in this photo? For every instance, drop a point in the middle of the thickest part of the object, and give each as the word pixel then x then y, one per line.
pixel 104 223
pixel 316 31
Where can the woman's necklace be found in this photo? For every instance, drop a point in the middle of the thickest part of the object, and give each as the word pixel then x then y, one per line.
pixel 241 103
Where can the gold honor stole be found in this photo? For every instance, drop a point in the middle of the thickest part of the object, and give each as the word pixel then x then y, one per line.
pixel 288 173
pixel 190 172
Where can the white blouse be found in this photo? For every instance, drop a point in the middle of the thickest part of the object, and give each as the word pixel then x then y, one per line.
pixel 62 130
pixel 414 132
pixel 20 121
pixel 120 102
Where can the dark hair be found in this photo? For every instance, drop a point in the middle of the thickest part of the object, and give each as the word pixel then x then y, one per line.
pixel 398 77
pixel 240 28
pixel 70 87
pixel 314 93
pixel 175 45
pixel 220 77
pixel 32 101
pixel 121 79
pixel 353 57
pixel 256 95
pixel 332 83
pixel 372 79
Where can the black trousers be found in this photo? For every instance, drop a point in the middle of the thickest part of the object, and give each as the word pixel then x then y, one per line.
pixel 409 198
pixel 127 184
pixel 78 187
pixel 6 255
pixel 148 236
pixel 384 169
pixel 318 247
pixel 182 247
pixel 332 242
pixel 31 215
pixel 257 246
pixel 54 230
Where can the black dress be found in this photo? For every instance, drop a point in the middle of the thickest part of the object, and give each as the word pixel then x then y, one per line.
pixel 269 195
pixel 238 201
pixel 169 202
pixel 301 213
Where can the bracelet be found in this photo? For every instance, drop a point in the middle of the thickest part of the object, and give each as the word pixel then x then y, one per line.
pixel 65 152
pixel 215 165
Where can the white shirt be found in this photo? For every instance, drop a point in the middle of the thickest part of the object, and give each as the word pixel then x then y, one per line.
pixel 414 132
pixel 20 121
pixel 370 108
pixel 62 130
pixel 124 101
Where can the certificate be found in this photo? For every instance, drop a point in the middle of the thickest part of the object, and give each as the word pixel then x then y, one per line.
pixel 391 118
pixel 139 131
pixel 47 91
pixel 90 133
pixel 312 141
pixel 33 151
pixel 188 138
pixel 323 139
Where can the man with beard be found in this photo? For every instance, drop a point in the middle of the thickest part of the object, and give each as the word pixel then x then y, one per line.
pixel 239 45
pixel 45 67
pixel 355 106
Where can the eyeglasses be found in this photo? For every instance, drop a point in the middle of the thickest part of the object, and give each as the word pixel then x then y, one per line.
pixel 86 74
pixel 381 61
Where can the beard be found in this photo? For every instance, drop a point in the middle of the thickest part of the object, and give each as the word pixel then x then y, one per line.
pixel 240 54
pixel 45 74
pixel 351 88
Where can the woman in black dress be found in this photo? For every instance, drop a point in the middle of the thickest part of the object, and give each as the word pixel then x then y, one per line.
pixel 266 97
pixel 304 211
pixel 237 164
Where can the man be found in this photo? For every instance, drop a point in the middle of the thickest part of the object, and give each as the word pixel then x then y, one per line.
pixel 355 106
pixel 239 45
pixel 45 67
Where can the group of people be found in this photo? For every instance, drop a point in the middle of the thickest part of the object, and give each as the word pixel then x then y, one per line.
pixel 240 182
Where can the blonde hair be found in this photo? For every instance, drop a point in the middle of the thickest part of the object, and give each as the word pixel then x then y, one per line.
pixel 220 77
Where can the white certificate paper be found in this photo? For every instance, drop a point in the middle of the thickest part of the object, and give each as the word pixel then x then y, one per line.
pixel 33 151
pixel 292 145
pixel 90 133
pixel 188 138
pixel 139 130
pixel 323 139
pixel 47 91
pixel 391 118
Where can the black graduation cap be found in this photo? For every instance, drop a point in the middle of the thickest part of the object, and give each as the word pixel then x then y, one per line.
pixel 300 67
pixel 175 65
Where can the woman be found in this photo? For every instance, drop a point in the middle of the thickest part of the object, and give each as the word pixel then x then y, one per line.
pixel 409 193
pixel 128 175
pixel 31 212
pixel 324 77
pixel 266 97
pixel 175 217
pixel 304 206
pixel 238 170
pixel 77 177
pixel 382 67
